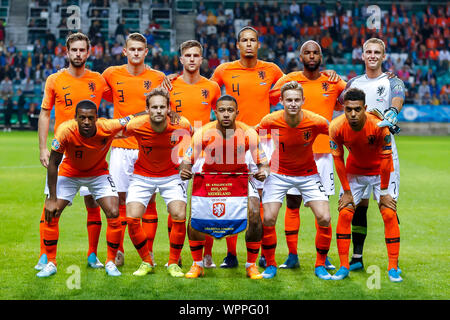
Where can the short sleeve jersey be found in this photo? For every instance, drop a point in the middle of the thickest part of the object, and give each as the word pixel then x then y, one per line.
pixel 194 101
pixel 158 151
pixel 128 94
pixel 366 147
pixel 63 91
pixel 293 153
pixel 225 154
pixel 249 86
pixel 85 157
pixel 320 97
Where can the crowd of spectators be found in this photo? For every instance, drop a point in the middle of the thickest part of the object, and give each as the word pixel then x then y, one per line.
pixel 419 38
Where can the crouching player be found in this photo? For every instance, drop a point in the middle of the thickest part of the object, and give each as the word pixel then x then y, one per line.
pixel 157 169
pixel 293 131
pixel 369 165
pixel 225 143
pixel 85 142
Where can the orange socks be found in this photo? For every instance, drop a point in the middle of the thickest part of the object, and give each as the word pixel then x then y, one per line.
pixel 50 239
pixel 177 236
pixel 113 236
pixel 197 250
pixel 343 234
pixel 123 224
pixel 392 236
pixel 209 241
pixel 291 227
pixel 252 251
pixel 139 238
pixel 323 241
pixel 41 232
pixel 150 224
pixel 231 244
pixel 94 226
pixel 269 244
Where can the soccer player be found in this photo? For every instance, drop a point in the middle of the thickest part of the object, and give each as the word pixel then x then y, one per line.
pixel 85 142
pixel 156 168
pixel 292 165
pixel 63 91
pixel 386 94
pixel 321 96
pixel 129 84
pixel 369 165
pixel 249 81
pixel 227 138
pixel 193 96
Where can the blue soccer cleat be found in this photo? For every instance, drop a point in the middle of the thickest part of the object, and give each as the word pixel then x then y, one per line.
pixel 93 261
pixel 41 263
pixel 230 261
pixel 270 272
pixel 322 273
pixel 262 262
pixel 111 269
pixel 328 264
pixel 291 262
pixel 342 273
pixel 49 270
pixel 394 275
pixel 356 264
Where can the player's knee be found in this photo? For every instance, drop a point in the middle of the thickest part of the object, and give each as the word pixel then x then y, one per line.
pixel 112 213
pixel 324 220
pixel 293 201
pixel 388 215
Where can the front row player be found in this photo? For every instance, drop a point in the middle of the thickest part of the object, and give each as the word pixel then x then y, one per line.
pixel 369 165
pixel 156 169
pixel 292 165
pixel 225 143
pixel 85 141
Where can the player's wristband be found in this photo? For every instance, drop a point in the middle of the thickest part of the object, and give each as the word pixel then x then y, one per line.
pixel 384 192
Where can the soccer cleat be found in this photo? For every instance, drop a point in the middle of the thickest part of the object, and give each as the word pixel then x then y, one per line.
pixel 175 271
pixel 253 272
pixel 120 259
pixel 270 272
pixel 342 273
pixel 195 272
pixel 144 269
pixel 111 269
pixel 322 273
pixel 291 262
pixel 262 261
pixel 167 263
pixel 93 261
pixel 394 275
pixel 41 263
pixel 328 264
pixel 230 261
pixel 47 271
pixel 208 263
pixel 356 264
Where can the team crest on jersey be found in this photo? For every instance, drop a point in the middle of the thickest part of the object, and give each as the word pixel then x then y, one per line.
pixel 173 139
pixel 55 144
pixel 380 90
pixel 262 74
pixel 307 135
pixel 371 139
pixel 218 209
pixel 91 86
pixel 325 86
pixel 205 93
pixel 147 84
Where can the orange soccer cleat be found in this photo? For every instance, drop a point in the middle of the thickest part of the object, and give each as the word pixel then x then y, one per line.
pixel 195 272
pixel 253 272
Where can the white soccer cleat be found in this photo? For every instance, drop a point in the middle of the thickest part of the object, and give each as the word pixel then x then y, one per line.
pixel 49 270
pixel 111 269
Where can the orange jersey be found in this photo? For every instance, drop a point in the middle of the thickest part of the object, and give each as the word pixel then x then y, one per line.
pixel 158 152
pixel 225 155
pixel 194 101
pixel 293 154
pixel 320 97
pixel 366 147
pixel 249 86
pixel 128 94
pixel 64 91
pixel 85 157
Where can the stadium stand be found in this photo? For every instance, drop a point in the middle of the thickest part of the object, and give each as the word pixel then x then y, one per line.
pixel 416 34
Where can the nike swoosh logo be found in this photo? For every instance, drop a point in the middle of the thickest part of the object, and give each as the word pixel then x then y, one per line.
pixel 175 93
pixel 64 88
pixel 119 82
pixel 232 77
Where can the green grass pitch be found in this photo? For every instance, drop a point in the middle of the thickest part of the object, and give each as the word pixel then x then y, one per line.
pixel 424 255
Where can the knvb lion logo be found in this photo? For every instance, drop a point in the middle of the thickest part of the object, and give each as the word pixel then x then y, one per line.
pixel 371 139
pixel 262 74
pixel 307 135
pixel 91 86
pixel 205 93
pixel 325 86
pixel 147 84
pixel 218 209
pixel 380 90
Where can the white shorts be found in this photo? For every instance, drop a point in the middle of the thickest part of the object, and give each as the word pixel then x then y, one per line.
pixel 394 181
pixel 99 186
pixel 277 185
pixel 324 163
pixel 142 189
pixel 121 166
pixel 360 184
pixel 267 146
